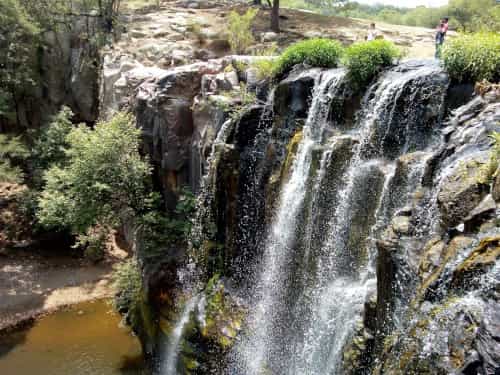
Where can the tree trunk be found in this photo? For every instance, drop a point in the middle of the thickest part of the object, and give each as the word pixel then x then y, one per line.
pixel 275 16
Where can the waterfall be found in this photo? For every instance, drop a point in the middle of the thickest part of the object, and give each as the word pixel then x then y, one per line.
pixel 301 319
pixel 168 364
pixel 256 349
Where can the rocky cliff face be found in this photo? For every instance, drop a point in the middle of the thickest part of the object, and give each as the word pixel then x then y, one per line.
pixel 398 220
pixel 69 66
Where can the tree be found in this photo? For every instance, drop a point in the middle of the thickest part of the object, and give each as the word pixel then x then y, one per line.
pixel 103 182
pixel 11 148
pixel 18 33
pixel 50 146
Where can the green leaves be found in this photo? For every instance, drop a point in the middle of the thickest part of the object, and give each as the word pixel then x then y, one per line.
pixel 473 57
pixel 12 150
pixel 103 180
pixel 364 60
pixel 239 30
pixel 323 53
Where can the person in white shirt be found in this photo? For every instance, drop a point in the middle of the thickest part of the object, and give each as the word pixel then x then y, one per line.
pixel 372 33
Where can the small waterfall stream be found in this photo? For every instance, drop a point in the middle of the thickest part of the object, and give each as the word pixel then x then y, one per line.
pixel 169 363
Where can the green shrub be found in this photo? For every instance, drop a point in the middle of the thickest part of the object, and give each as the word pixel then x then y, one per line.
pixel 103 181
pixel 159 231
pixel 12 150
pixel 239 30
pixel 265 68
pixel 93 242
pixel 364 60
pixel 127 281
pixel 323 53
pixel 50 146
pixel 473 57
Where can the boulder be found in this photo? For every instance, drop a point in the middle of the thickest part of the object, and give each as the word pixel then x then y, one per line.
pixel 461 191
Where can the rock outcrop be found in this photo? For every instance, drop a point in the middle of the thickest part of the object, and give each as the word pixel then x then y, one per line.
pixel 450 284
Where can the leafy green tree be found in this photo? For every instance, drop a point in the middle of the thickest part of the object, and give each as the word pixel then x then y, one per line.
pixel 51 145
pixel 103 182
pixel 18 33
pixel 11 150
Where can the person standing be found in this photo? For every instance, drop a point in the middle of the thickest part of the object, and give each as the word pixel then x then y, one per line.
pixel 372 33
pixel 441 31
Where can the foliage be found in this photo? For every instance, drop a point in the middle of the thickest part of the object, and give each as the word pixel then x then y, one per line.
pixel 159 231
pixel 18 34
pixel 473 57
pixel 465 15
pixel 365 59
pixel 324 53
pixel 239 30
pixel 239 101
pixel 11 150
pixel 50 145
pixel 22 23
pixel 265 68
pixel 94 242
pixel 103 181
pixel 128 284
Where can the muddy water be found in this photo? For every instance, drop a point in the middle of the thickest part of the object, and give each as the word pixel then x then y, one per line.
pixel 86 339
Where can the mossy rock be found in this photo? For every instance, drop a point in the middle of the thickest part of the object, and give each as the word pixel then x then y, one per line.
pixel 483 257
pixel 430 284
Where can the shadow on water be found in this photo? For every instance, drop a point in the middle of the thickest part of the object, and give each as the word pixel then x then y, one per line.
pixel 87 338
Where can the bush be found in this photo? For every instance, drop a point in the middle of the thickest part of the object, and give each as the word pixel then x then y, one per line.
pixel 323 53
pixel 12 150
pixel 239 30
pixel 103 180
pixel 364 60
pixel 473 57
pixel 50 146
pixel 127 281
pixel 159 231
pixel 265 68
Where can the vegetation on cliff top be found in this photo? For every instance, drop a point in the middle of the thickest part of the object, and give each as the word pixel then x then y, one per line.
pixel 473 57
pixel 324 53
pixel 365 59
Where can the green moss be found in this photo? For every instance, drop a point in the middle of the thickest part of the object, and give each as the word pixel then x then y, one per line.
pixel 291 152
pixel 482 257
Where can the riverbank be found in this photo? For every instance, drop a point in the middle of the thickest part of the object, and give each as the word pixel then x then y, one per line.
pixel 34 284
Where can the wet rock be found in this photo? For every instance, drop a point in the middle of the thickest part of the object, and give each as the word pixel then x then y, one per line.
pixel 293 94
pixel 430 260
pixel 495 190
pixel 401 225
pixel 488 345
pixel 487 206
pixel 483 257
pixel 462 191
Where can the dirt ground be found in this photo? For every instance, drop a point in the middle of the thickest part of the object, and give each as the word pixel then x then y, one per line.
pixel 32 283
pixel 36 279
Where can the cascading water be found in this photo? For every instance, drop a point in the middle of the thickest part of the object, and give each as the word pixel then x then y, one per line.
pixel 168 364
pixel 302 319
pixel 257 349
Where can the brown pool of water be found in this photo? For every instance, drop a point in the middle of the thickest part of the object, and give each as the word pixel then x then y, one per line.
pixel 85 339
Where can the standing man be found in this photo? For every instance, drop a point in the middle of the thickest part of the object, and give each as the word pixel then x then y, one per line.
pixel 442 29
pixel 372 33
